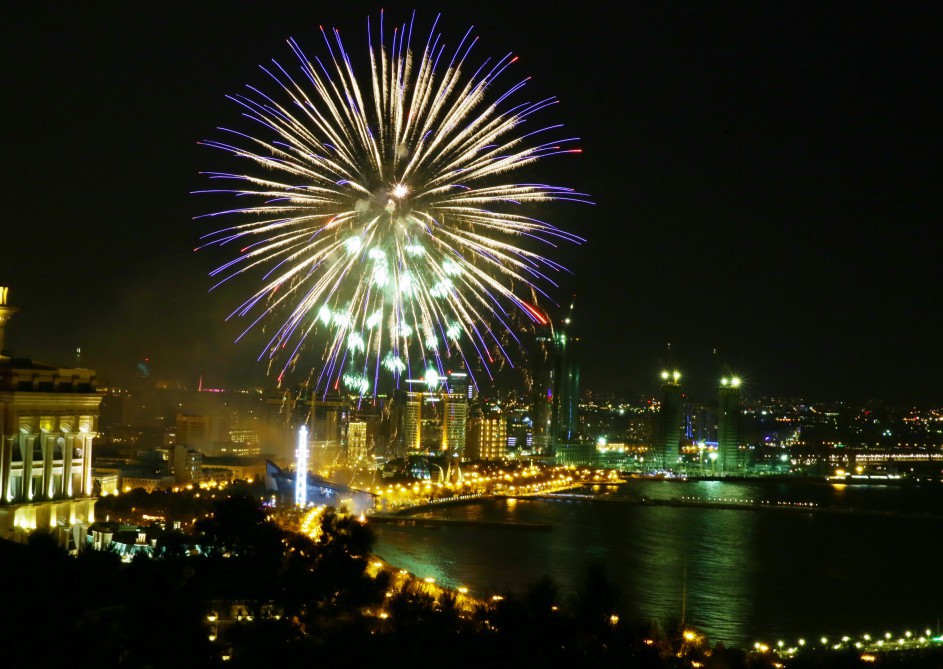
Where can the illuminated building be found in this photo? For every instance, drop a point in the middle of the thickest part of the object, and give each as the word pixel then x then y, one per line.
pixel 49 421
pixel 106 481
pixel 242 443
pixel 543 372
pixel 149 482
pixel 700 422
pixel 554 396
pixel 580 452
pixel 555 420
pixel 201 433
pixel 357 441
pixel 669 420
pixel 566 398
pixel 569 448
pixel 455 412
pixel 520 432
pixel 566 387
pixel 227 468
pixel 433 419
pixel 188 465
pixel 412 421
pixel 487 437
pixel 459 385
pixel 729 459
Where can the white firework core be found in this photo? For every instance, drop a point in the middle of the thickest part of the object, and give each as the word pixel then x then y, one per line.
pixel 381 218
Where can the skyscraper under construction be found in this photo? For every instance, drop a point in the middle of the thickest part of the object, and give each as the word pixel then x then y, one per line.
pixel 669 420
pixel 729 460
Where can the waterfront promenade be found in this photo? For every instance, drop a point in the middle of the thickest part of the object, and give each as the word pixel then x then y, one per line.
pixel 408 514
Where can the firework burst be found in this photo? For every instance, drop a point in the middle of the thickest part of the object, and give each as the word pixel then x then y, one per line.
pixel 380 217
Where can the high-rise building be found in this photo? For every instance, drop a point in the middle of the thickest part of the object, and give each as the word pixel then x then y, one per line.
pixel 459 384
pixel 49 420
pixel 700 422
pixel 356 441
pixel 520 430
pixel 454 414
pixel 487 437
pixel 729 458
pixel 543 371
pixel 412 421
pixel 669 420
pixel 455 396
pixel 566 398
pixel 555 388
pixel 557 384
pixel 202 433
pixel 434 418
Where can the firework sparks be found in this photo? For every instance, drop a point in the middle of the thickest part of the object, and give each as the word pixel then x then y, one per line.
pixel 380 219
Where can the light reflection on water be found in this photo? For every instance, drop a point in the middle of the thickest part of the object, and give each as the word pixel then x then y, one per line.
pixel 743 575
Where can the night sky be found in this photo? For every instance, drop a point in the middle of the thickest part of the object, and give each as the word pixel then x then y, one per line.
pixel 766 178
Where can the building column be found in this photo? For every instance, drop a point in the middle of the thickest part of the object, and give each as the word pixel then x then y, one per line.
pixel 49 445
pixel 28 467
pixel 6 465
pixel 87 465
pixel 66 488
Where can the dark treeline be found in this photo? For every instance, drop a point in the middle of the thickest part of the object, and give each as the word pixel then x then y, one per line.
pixel 95 611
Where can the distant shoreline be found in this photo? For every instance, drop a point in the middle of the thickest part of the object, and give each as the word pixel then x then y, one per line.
pixel 584 493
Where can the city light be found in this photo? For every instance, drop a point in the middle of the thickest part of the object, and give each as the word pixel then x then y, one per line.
pixel 422 409
pixel 301 468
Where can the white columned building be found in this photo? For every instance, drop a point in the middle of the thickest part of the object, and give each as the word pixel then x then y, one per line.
pixel 48 422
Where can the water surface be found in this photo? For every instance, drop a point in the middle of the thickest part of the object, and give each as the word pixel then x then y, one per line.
pixel 740 575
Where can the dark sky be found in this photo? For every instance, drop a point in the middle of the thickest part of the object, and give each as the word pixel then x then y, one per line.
pixel 766 177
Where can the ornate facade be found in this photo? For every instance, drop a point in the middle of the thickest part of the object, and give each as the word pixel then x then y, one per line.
pixel 49 419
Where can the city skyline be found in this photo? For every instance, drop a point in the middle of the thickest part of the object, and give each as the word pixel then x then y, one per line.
pixel 763 181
